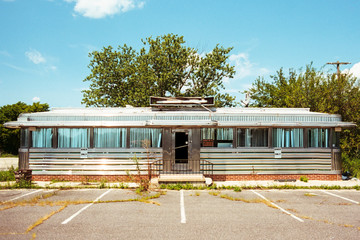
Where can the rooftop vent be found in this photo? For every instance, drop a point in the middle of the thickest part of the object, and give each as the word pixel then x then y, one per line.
pixel 181 101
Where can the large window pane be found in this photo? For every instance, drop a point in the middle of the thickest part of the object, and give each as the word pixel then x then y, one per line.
pixel 208 137
pixel 110 137
pixel 73 138
pixel 288 137
pixel 145 137
pixel 252 137
pixel 24 140
pixel 217 137
pixel 335 139
pixel 318 137
pixel 42 138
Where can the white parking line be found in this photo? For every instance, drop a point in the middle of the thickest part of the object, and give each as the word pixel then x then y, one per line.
pixel 78 212
pixel 347 199
pixel 182 207
pixel 23 195
pixel 280 208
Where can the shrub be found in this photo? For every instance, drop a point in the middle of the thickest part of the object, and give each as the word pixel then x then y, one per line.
pixel 304 179
pixel 7 175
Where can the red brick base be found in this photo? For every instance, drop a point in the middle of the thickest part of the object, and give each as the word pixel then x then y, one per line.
pixel 234 177
pixel 259 177
pixel 82 178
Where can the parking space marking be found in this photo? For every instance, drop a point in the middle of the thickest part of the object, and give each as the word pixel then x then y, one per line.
pixel 23 195
pixel 78 212
pixel 182 207
pixel 280 208
pixel 335 195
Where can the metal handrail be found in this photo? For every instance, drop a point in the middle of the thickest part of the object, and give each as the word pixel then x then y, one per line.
pixel 157 167
pixel 206 167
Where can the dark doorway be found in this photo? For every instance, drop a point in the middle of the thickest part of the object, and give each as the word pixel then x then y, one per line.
pixel 181 147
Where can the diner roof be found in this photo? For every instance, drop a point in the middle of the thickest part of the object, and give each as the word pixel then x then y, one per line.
pixel 155 117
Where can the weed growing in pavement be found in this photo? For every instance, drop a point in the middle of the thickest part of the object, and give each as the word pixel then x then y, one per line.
pixel 56 180
pixel 102 183
pixel 304 178
pixel 237 189
pixel 41 220
pixel 310 194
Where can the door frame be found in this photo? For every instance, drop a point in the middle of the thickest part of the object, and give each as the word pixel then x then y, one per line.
pixel 193 148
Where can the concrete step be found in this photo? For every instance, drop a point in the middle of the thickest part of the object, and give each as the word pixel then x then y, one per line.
pixel 181 178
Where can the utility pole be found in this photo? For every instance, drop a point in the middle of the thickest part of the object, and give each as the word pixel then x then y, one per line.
pixel 338 66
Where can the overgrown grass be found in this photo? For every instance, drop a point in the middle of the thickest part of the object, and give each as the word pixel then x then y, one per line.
pixel 8 155
pixel 8 175
pixel 189 186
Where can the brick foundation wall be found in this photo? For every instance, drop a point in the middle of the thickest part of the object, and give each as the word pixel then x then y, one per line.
pixel 82 178
pixel 234 177
pixel 259 177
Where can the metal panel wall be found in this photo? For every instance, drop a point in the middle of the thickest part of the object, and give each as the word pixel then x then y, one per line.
pixel 194 149
pixel 262 161
pixel 167 149
pixel 92 162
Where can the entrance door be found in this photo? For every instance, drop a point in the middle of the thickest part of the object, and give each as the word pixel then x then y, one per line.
pixel 181 150
pixel 181 147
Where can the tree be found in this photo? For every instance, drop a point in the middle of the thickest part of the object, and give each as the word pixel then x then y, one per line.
pixel 164 66
pixel 10 138
pixel 320 92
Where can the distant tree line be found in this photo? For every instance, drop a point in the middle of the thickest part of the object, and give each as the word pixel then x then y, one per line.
pixel 10 138
pixel 321 92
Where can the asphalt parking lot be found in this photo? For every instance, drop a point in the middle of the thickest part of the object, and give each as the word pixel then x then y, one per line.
pixel 185 214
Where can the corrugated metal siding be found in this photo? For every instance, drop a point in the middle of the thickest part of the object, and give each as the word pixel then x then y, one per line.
pixel 98 161
pixel 245 161
pixel 187 117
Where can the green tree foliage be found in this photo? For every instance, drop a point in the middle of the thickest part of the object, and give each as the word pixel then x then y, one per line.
pixel 10 138
pixel 164 66
pixel 321 92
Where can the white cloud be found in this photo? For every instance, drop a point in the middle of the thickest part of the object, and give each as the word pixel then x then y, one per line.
pixel 103 8
pixel 5 53
pixel 244 67
pixel 35 56
pixel 355 70
pixel 36 99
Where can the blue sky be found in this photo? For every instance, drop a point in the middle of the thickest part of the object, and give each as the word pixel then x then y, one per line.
pixel 44 44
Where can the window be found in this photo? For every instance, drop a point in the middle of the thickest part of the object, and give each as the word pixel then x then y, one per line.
pixel 288 137
pixel 252 137
pixel 42 138
pixel 318 137
pixel 217 137
pixel 145 137
pixel 24 140
pixel 109 137
pixel 335 138
pixel 73 138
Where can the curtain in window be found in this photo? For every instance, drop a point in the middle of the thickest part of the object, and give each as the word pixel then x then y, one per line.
pixel 145 137
pixel 73 138
pixel 319 137
pixel 110 137
pixel 24 140
pixel 208 133
pixel 42 138
pixel 224 134
pixel 252 137
pixel 288 137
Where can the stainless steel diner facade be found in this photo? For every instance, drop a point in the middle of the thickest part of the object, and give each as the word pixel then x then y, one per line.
pixel 238 143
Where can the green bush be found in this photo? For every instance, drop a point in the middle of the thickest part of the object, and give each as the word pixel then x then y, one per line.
pixel 304 179
pixel 7 175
